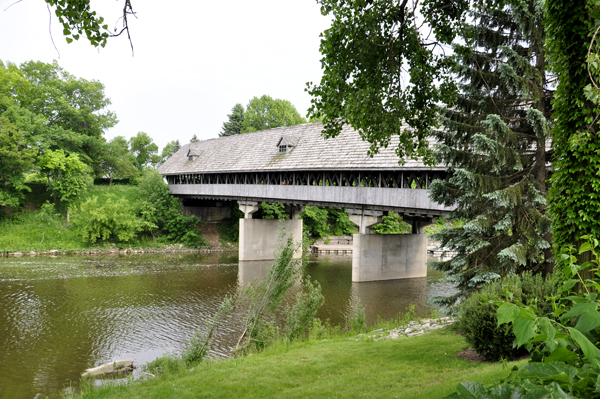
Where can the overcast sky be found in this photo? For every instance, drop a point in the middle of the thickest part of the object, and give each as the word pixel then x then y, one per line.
pixel 193 60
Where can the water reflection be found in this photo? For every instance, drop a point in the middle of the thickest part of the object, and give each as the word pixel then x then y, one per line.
pixel 252 270
pixel 60 316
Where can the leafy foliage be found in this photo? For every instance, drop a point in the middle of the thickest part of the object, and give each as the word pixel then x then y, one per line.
pixel 15 160
pixel 574 208
pixel 144 150
pixel 235 124
pixel 117 162
pixel 67 175
pixel 78 19
pixel 264 297
pixel 565 359
pixel 392 224
pixel 73 111
pixel 273 211
pixel 495 140
pixel 477 316
pixel 366 52
pixel 113 221
pixel 267 113
pixel 163 210
pixel 322 222
pixel 171 148
pixel 301 315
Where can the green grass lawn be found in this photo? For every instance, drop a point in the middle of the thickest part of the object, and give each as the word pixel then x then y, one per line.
pixel 418 367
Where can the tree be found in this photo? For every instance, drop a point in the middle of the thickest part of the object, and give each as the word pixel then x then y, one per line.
pixel 117 161
pixel 268 113
pixel 171 148
pixel 74 109
pixel 194 139
pixel 15 160
pixel 494 138
pixel 67 175
pixel 235 123
pixel 381 74
pixel 144 151
pixel 574 205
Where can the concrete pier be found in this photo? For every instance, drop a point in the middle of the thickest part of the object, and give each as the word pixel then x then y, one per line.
pixel 388 256
pixel 258 237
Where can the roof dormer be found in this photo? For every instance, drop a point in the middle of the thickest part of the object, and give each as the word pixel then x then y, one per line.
pixel 284 145
pixel 193 154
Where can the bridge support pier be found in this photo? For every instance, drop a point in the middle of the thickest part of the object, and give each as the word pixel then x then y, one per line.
pixel 258 237
pixel 378 257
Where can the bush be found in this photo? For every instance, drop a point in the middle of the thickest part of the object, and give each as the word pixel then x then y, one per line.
pixel 300 316
pixel 477 318
pixel 165 212
pixel 113 221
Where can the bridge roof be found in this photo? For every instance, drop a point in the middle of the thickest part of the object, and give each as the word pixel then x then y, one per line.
pixel 307 150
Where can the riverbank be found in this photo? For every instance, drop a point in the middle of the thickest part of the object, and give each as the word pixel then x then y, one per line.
pixel 31 233
pixel 425 366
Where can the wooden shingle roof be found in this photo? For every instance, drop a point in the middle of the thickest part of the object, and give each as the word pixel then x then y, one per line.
pixel 308 150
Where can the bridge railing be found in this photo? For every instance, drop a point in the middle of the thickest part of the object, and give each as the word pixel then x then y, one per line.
pixel 415 179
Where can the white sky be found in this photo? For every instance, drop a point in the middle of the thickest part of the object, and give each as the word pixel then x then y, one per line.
pixel 193 60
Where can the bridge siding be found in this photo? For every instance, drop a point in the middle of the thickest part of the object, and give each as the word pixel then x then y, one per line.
pixel 400 200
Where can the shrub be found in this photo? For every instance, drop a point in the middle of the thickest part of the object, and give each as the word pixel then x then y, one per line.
pixel 164 210
pixel 315 221
pixel 111 221
pixel 477 318
pixel 300 316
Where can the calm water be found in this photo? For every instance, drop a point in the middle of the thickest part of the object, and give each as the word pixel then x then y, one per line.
pixel 60 316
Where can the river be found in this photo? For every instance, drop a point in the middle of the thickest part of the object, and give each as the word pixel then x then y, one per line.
pixel 62 315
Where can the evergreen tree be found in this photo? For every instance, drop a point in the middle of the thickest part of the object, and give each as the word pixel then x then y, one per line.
pixel 235 123
pixel 194 139
pixel 495 140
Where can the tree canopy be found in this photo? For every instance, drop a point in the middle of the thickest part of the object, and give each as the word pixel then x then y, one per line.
pixel 381 74
pixel 235 122
pixel 268 113
pixel 494 139
pixel 144 150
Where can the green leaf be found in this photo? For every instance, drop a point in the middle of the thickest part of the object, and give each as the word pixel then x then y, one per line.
pixel 547 328
pixel 506 313
pixel 523 330
pixel 471 389
pixel 586 246
pixel 579 308
pixel 561 354
pixel 589 350
pixel 69 40
pixel 588 321
pixel 569 284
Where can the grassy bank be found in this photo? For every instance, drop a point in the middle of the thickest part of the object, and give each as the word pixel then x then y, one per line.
pixel 24 233
pixel 425 366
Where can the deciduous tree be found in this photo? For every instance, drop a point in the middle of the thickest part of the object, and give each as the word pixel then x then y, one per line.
pixel 117 161
pixel 171 148
pixel 144 151
pixel 267 113
pixel 68 177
